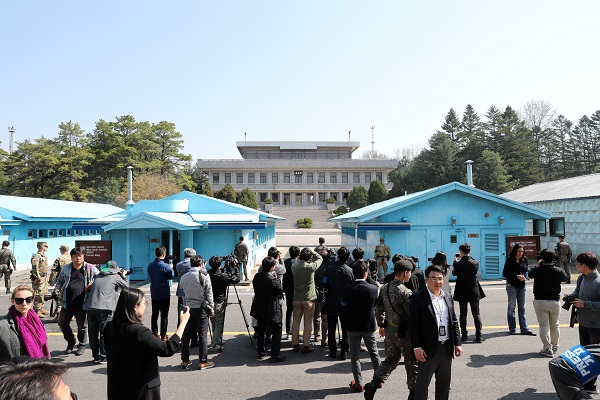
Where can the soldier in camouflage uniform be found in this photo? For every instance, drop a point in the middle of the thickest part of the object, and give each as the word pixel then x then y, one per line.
pixel 7 259
pixel 563 253
pixel 382 255
pixel 60 262
pixel 39 278
pixel 241 252
pixel 392 319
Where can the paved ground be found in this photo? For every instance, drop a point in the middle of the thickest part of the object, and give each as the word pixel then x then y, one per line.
pixel 503 367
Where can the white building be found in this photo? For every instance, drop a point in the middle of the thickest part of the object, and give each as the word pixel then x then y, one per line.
pixel 297 173
pixel 575 207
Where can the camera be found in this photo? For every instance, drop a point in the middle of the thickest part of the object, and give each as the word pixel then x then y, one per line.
pixel 372 268
pixel 230 264
pixel 568 298
pixel 51 296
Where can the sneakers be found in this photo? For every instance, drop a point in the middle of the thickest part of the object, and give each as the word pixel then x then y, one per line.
pixel 262 357
pixel 102 360
pixel 296 348
pixel 547 353
pixel 80 349
pixel 206 365
pixel 528 333
pixel 356 387
pixel 185 364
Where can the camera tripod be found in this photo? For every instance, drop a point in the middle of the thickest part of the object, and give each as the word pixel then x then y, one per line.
pixel 225 305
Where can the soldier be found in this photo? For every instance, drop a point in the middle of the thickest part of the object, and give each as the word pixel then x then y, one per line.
pixel 39 278
pixel 382 255
pixel 7 259
pixel 241 253
pixel 392 319
pixel 321 248
pixel 60 262
pixel 563 252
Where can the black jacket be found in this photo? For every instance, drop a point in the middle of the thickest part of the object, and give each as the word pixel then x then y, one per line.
pixel 132 357
pixel 359 299
pixel 266 306
pixel 422 324
pixel 220 281
pixel 337 276
pixel 467 285
pixel 288 278
pixel 512 268
pixel 546 281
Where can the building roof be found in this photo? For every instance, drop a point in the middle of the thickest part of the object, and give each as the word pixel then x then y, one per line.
pixel 33 208
pixel 146 220
pixel 578 187
pixel 296 145
pixel 384 207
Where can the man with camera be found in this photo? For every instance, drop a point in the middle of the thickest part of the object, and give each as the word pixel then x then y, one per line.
pixel 220 280
pixel 586 297
pixel 546 291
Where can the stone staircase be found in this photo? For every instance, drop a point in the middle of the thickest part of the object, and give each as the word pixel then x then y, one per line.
pixel 319 214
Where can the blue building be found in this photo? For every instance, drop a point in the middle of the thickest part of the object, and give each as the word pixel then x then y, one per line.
pixel 26 220
pixel 210 226
pixel 440 219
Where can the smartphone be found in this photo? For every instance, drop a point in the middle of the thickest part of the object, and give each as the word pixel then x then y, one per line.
pixel 456 255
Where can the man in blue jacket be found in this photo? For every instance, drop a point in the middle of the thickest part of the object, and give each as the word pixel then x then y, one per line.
pixel 160 274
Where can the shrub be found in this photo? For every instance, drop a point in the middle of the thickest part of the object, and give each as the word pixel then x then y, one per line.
pixel 330 200
pixel 308 221
pixel 300 221
pixel 301 226
pixel 268 200
pixel 340 210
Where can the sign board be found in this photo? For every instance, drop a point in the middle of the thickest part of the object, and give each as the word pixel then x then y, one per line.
pixel 531 244
pixel 96 251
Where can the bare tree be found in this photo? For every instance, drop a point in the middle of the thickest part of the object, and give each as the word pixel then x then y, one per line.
pixel 374 155
pixel 407 153
pixel 538 116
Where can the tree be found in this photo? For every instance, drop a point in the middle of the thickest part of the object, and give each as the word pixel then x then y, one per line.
pixel 358 198
pixel 201 181
pixel 227 193
pixel 149 187
pixel 451 125
pixel 491 129
pixel 561 131
pixel 374 155
pixel 247 198
pixel 490 175
pixel 377 192
pixel 75 159
pixel 170 144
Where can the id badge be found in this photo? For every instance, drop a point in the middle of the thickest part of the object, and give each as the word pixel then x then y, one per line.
pixel 442 331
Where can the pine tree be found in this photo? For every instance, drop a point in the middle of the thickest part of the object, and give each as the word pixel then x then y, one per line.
pixel 75 159
pixel 227 193
pixel 358 198
pixel 377 191
pixel 247 198
pixel 451 125
pixel 490 175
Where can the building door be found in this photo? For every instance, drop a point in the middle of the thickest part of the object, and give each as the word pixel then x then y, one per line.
pixel 451 239
pixel 298 199
pixel 286 199
pixel 492 253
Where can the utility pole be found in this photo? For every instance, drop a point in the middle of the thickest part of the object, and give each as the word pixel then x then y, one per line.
pixel 349 135
pixel 11 133
pixel 372 140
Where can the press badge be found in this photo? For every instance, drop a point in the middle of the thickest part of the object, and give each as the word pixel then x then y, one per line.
pixel 442 331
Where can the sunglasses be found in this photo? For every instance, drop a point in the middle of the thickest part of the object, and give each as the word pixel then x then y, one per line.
pixel 20 300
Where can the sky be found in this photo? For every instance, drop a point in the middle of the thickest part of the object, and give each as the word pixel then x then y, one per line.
pixel 291 70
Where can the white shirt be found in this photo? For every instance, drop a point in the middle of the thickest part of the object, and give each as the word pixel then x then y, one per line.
pixel 441 314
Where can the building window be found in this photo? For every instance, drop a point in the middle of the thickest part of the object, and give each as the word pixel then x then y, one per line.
pixel 286 177
pixel 263 178
pixel 75 232
pixel 6 232
pixel 216 178
pixel 43 233
pixel 275 197
pixel 557 226
pixel 297 178
pixel 367 177
pixel 275 177
pixel 69 232
pixel 262 197
pixel 321 177
pixel 379 176
pixel 251 177
pixel 344 177
pixel 227 177
pixel 31 234
pixel 62 232
pixel 539 227
pixel 239 178
pixel 333 177
pixel 321 197
pixel 309 177
pixel 356 177
pixel 52 233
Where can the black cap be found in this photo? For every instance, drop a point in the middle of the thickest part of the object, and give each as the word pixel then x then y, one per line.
pixel 402 265
pixel 321 240
pixel 6 243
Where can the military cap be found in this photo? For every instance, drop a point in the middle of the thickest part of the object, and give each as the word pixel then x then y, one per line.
pixel 402 265
pixel 6 243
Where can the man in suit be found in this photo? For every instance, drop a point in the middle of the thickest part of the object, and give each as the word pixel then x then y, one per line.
pixel 434 335
pixel 467 290
pixel 359 299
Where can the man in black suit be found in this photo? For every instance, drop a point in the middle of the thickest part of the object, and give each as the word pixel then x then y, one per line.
pixel 434 335
pixel 467 290
pixel 359 299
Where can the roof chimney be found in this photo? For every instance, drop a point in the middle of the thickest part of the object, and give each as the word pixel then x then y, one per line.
pixel 130 202
pixel 469 172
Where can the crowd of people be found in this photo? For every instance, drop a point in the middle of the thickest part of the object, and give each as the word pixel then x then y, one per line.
pixel 329 293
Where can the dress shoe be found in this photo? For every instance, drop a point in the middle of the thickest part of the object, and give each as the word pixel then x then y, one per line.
pixel 262 356
pixel 370 390
pixel 528 333
pixel 307 349
pixel 277 359
pixel 332 355
pixel 343 355
pixel 70 347
pixel 80 349
pixel 356 387
pixel 186 364
pixel 478 340
pixel 464 337
pixel 296 348
pixel 206 365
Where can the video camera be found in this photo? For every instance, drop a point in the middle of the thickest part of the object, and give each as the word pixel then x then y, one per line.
pixel 228 264
pixel 51 296
pixel 568 298
pixel 372 268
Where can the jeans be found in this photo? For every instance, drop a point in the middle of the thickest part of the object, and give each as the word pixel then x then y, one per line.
pixel 547 312
pixel 302 309
pixel 197 324
pixel 354 339
pixel 64 322
pixel 516 296
pixel 97 320
pixel 161 306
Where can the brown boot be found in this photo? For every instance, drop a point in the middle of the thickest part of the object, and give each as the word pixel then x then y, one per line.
pixel 40 314
pixel 43 311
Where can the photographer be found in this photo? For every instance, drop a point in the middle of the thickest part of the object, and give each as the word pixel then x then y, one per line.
pixel 587 300
pixel 220 280
pixel 288 288
pixel 546 292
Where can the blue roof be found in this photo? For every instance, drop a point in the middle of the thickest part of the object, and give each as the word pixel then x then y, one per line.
pixel 147 220
pixel 34 208
pixel 384 207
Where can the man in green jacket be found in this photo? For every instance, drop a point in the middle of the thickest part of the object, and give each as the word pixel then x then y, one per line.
pixel 305 294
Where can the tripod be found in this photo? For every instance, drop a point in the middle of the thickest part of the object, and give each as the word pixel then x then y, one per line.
pixel 225 305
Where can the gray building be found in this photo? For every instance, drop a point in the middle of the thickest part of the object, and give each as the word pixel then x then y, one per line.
pixel 297 173
pixel 575 207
